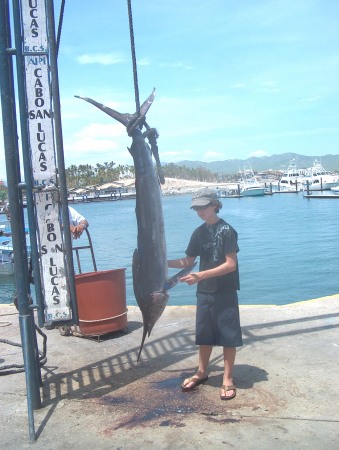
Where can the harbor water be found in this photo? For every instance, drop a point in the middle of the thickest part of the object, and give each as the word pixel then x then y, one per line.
pixel 289 247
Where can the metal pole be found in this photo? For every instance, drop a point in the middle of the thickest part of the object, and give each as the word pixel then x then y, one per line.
pixel 60 155
pixel 30 206
pixel 17 217
pixel 28 186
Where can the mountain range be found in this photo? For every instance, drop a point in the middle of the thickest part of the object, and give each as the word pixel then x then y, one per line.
pixel 264 163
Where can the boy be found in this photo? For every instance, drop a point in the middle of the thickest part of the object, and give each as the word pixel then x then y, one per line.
pixel 217 314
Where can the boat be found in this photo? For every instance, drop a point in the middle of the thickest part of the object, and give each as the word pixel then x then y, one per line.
pixel 323 183
pixel 293 179
pixel 6 256
pixel 250 186
pixel 335 189
pixel 228 192
pixel 6 268
pixel 319 179
pixel 254 190
pixel 5 228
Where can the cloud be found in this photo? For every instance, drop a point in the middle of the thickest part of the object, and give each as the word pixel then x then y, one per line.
pixel 101 58
pixel 176 155
pixel 258 86
pixel 214 156
pixel 239 86
pixel 259 153
pixel 268 86
pixel 97 142
pixel 315 98
pixel 177 65
pixel 143 62
pixel 100 131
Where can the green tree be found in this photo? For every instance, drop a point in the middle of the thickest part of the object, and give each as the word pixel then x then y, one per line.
pixel 3 194
pixel 106 173
pixel 86 175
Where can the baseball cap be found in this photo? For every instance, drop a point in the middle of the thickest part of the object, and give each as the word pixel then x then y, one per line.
pixel 203 197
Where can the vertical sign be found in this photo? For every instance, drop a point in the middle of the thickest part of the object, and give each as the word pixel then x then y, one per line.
pixel 42 151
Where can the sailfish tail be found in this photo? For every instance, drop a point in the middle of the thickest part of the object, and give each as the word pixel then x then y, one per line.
pixel 128 120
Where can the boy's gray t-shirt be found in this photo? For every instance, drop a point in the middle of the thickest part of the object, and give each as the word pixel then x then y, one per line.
pixel 211 243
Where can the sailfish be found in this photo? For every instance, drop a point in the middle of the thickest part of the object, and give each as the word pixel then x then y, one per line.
pixel 149 266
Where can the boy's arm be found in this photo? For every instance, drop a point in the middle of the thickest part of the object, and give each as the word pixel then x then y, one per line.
pixel 181 262
pixel 228 266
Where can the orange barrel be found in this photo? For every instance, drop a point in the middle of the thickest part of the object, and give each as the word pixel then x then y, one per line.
pixel 101 299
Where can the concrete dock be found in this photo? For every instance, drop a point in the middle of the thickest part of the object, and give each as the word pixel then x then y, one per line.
pixel 96 396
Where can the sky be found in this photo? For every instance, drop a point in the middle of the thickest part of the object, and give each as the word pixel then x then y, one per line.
pixel 233 78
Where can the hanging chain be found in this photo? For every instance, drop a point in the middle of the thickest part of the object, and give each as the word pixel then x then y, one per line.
pixel 135 73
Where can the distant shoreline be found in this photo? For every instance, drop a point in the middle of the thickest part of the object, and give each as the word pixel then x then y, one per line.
pixel 126 190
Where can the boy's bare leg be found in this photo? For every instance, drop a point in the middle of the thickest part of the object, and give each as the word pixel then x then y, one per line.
pixel 204 357
pixel 229 358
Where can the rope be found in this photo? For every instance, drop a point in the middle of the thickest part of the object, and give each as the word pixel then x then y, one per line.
pixel 134 62
pixel 17 368
pixel 152 135
pixel 106 318
pixel 61 18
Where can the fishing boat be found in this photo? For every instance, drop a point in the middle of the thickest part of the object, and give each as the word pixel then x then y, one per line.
pixel 319 179
pixel 233 191
pixel 250 186
pixel 293 179
pixel 335 189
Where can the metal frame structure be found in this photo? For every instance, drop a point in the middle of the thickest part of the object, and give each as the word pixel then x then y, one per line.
pixel 16 186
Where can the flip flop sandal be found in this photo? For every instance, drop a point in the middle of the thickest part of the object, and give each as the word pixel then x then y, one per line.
pixel 231 387
pixel 195 380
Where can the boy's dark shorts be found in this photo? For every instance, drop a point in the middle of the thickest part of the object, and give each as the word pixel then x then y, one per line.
pixel 217 320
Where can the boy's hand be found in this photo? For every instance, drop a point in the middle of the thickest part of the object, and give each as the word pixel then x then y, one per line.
pixel 191 278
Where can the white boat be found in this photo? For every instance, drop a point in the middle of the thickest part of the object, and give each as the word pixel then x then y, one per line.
pixel 323 183
pixel 249 191
pixel 228 192
pixel 6 268
pixel 293 178
pixel 6 248
pixel 335 189
pixel 319 179
pixel 6 256
pixel 5 227
pixel 250 186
